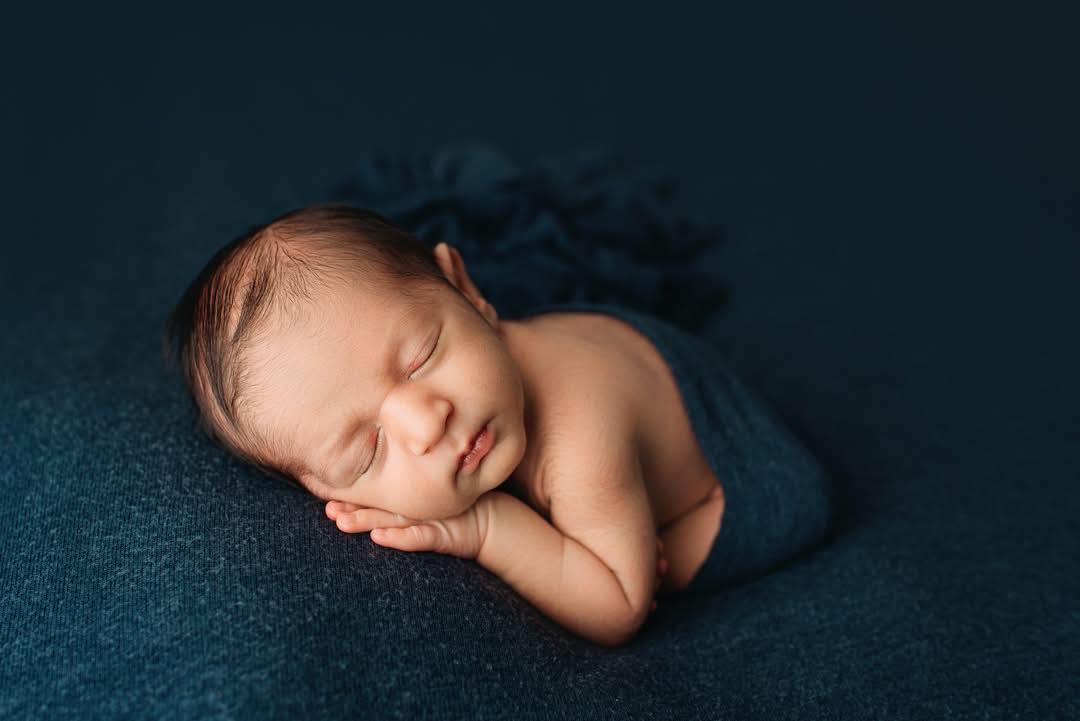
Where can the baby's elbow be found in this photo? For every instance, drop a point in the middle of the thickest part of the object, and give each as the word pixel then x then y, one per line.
pixel 629 622
pixel 617 635
pixel 615 626
pixel 636 622
pixel 635 601
pixel 612 638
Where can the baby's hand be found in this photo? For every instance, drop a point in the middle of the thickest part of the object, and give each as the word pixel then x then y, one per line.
pixel 460 536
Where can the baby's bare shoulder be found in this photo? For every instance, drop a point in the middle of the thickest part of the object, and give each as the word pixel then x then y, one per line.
pixel 597 354
pixel 592 405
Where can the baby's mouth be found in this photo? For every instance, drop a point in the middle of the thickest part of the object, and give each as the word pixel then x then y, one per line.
pixel 478 449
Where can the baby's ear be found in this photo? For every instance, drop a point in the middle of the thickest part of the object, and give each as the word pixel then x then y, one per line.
pixel 453 266
pixel 448 259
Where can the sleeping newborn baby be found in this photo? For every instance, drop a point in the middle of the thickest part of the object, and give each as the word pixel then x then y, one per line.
pixel 588 455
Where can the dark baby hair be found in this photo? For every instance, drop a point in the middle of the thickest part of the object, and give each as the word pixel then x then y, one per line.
pixel 269 272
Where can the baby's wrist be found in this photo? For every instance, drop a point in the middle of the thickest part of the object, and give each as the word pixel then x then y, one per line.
pixel 487 508
pixel 485 512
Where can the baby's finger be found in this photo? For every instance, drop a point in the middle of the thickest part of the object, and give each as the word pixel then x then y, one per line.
pixel 364 519
pixel 334 508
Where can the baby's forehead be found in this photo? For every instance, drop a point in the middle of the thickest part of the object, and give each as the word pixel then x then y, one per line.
pixel 336 300
pixel 380 296
pixel 378 319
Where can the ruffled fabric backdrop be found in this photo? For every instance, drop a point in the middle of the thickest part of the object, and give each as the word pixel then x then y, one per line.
pixel 586 225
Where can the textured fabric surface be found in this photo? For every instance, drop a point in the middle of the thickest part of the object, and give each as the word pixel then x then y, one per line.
pixel 777 497
pixel 897 189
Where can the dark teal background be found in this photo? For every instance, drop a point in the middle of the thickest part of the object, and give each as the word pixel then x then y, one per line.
pixel 899 192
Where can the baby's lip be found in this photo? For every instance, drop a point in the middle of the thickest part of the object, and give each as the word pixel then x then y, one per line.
pixel 469 444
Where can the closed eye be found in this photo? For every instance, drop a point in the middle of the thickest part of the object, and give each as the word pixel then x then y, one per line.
pixel 430 355
pixel 378 438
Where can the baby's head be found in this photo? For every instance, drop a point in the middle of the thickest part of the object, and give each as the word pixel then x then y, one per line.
pixel 336 351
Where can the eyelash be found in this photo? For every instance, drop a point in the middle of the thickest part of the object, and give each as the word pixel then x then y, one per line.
pixel 378 438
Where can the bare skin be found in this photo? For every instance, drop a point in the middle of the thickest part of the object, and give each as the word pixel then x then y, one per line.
pixel 616 360
pixel 391 446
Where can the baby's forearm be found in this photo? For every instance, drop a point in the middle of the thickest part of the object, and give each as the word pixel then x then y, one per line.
pixel 557 574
